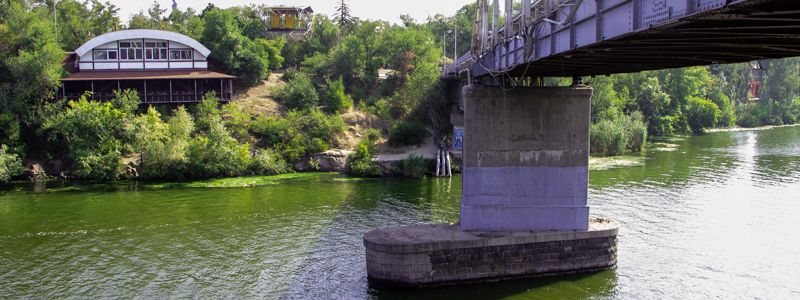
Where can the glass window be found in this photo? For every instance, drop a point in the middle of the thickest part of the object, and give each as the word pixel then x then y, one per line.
pixel 186 54
pixel 138 53
pixel 100 55
pixel 124 44
pixel 148 54
pixel 123 54
pixel 112 54
pixel 150 44
pixel 163 53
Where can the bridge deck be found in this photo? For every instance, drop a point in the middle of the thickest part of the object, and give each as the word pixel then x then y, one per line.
pixel 619 36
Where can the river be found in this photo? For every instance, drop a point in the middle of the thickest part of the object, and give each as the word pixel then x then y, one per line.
pixel 712 216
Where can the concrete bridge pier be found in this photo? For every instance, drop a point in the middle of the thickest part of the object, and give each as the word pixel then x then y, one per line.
pixel 526 158
pixel 524 191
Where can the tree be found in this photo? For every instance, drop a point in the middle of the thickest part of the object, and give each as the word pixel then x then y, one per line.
pixel 10 164
pixel 93 132
pixel 343 17
pixel 701 114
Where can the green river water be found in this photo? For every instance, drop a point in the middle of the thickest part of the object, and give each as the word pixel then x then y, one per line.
pixel 712 216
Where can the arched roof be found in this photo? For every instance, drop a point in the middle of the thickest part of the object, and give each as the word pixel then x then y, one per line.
pixel 142 34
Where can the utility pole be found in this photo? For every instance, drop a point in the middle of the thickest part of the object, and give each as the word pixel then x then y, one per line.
pixel 455 38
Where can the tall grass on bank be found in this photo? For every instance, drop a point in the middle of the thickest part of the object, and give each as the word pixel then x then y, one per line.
pixel 618 135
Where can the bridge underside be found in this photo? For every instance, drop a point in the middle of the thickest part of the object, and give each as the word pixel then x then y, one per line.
pixel 730 32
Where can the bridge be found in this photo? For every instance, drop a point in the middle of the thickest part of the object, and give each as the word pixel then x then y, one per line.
pixel 524 210
pixel 566 38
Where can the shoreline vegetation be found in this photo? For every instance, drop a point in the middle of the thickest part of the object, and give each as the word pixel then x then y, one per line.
pixel 350 89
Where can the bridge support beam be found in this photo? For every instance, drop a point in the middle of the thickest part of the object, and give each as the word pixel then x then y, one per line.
pixel 525 173
pixel 526 155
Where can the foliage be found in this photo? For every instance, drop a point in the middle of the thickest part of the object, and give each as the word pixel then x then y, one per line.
pixel 10 164
pixel 413 166
pixel 299 93
pixel 361 163
pixel 246 58
pixel 620 135
pixel 407 133
pixel 335 98
pixel 298 133
pixel 163 145
pixel 217 153
pixel 343 16
pixel 30 60
pixel 93 133
pixel 269 162
pixel 701 114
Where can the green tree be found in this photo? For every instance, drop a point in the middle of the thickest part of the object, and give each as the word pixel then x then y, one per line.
pixel 10 164
pixel 93 132
pixel 701 114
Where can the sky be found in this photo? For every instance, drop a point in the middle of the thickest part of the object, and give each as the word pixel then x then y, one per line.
pixel 364 9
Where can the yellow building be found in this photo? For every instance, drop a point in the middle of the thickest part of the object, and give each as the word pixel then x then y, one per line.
pixel 285 18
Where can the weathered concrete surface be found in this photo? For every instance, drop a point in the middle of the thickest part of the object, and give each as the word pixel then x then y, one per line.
pixel 526 158
pixel 429 255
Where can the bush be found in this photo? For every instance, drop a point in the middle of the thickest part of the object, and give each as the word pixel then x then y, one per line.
pixel 701 114
pixel 299 93
pixel 336 100
pixel 268 162
pixel 92 132
pixel 10 164
pixel 163 145
pixel 299 132
pixel 217 154
pixel 360 162
pixel 413 166
pixel 618 136
pixel 407 133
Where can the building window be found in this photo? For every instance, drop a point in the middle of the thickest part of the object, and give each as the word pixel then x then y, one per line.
pixel 155 50
pixel 130 50
pixel 104 54
pixel 181 54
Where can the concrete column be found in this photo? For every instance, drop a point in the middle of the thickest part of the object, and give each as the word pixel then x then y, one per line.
pixel 526 157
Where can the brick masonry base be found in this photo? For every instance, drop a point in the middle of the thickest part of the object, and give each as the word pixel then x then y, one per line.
pixel 431 255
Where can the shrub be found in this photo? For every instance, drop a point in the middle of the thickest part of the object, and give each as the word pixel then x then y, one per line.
pixel 299 93
pixel 336 100
pixel 10 164
pixel 268 162
pixel 361 163
pixel 93 133
pixel 207 111
pixel 217 154
pixel 620 135
pixel 701 114
pixel 413 166
pixel 163 145
pixel 299 132
pixel 407 133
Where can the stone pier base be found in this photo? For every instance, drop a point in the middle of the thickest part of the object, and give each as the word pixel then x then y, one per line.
pixel 430 255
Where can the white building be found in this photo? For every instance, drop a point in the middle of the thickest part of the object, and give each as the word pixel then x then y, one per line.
pixel 165 67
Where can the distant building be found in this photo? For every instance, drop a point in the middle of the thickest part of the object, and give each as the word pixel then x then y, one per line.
pixel 288 20
pixel 165 67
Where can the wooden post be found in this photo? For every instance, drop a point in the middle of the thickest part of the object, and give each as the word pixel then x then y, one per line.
pixel 92 83
pixel 63 89
pixel 145 91
pixel 220 90
pixel 230 89
pixel 118 85
pixel 170 90
pixel 195 90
